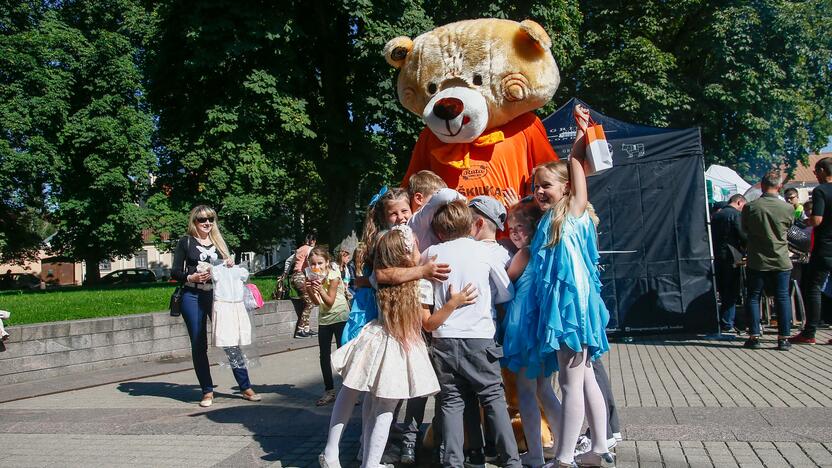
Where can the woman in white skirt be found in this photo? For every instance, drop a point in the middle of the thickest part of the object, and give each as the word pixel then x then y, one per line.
pixel 388 359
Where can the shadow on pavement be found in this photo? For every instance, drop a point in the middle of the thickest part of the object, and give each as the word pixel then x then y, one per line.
pixel 179 392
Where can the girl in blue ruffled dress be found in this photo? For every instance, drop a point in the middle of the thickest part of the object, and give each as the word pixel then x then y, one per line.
pixel 572 317
pixel 520 343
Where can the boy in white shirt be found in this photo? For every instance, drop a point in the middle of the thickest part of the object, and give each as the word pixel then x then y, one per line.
pixel 465 355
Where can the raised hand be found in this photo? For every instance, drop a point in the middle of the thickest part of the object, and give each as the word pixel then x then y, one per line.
pixel 510 198
pixel 581 114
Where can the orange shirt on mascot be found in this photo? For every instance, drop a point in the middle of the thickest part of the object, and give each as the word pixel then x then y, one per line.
pixel 499 159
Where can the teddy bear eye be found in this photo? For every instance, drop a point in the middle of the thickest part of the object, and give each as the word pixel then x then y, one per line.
pixel 478 80
pixel 432 88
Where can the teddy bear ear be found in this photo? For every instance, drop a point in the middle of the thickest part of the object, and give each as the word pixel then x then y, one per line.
pixel 536 33
pixel 396 50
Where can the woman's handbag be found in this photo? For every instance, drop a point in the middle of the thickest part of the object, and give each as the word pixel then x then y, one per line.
pixel 176 298
pixel 176 302
pixel 280 288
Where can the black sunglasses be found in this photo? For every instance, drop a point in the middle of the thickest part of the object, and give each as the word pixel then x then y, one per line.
pixel 209 219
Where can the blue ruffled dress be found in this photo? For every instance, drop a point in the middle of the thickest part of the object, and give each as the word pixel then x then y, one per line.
pixel 521 346
pixel 364 310
pixel 568 289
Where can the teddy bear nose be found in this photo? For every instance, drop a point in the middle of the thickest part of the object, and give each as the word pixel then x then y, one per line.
pixel 448 108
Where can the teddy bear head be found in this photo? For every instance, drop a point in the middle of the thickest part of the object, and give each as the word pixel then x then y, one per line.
pixel 470 76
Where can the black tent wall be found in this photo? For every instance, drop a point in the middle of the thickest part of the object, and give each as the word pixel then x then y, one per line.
pixel 652 201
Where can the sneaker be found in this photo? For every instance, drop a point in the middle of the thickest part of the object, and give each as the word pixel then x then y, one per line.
pixel 327 398
pixel 752 343
pixel 783 345
pixel 800 339
pixel 728 331
pixel 617 436
pixel 311 333
pixel 408 454
pixel 474 459
pixel 302 334
pixel 824 326
pixel 603 460
pixel 584 445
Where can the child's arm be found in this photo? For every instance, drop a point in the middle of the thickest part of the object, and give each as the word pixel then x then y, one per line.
pixel 313 290
pixel 429 271
pixel 518 264
pixel 468 295
pixel 577 176
pixel 328 297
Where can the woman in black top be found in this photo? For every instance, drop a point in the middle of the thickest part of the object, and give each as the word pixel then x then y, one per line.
pixel 204 243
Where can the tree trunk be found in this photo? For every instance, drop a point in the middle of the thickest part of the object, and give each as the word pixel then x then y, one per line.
pixel 341 212
pixel 93 272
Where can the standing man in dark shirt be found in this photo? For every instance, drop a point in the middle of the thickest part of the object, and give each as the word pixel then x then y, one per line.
pixel 766 221
pixel 729 241
pixel 820 259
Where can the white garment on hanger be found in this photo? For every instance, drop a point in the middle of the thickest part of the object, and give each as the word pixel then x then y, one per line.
pixel 229 282
pixel 231 321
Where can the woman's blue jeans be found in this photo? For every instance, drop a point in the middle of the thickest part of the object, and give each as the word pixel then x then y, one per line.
pixel 776 283
pixel 196 309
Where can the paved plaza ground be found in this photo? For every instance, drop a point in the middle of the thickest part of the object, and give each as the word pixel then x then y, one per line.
pixel 684 402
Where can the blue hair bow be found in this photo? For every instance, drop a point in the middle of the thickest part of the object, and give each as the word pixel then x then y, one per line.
pixel 378 196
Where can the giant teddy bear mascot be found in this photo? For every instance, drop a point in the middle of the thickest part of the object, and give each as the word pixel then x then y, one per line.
pixel 476 84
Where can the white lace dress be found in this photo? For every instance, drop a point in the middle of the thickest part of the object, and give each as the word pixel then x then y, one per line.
pixel 377 363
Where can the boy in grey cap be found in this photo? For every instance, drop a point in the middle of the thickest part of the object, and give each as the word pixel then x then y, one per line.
pixel 489 217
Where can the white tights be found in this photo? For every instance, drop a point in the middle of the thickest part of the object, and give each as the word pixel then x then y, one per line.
pixel 376 418
pixel 529 393
pixel 580 390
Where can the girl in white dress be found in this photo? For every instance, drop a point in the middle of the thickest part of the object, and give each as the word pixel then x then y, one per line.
pixel 388 359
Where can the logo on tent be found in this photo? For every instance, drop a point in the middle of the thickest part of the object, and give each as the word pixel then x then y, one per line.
pixel 634 150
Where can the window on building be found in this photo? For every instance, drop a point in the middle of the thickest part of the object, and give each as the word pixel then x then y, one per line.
pixel 104 265
pixel 141 259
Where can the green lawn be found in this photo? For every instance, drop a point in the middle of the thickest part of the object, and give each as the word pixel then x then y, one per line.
pixel 81 303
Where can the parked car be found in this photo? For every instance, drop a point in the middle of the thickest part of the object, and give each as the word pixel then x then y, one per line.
pixel 129 276
pixel 274 270
pixel 12 281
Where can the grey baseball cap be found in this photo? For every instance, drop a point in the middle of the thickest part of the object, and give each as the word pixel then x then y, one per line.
pixel 490 208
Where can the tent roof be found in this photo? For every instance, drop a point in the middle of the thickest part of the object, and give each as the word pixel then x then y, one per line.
pixel 629 143
pixel 726 177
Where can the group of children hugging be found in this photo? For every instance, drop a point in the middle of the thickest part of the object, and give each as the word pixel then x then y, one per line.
pixel 440 306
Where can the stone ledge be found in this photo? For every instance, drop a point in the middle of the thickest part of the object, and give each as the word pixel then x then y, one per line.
pixel 50 350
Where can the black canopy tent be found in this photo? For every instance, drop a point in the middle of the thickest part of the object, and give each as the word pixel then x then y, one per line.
pixel 657 271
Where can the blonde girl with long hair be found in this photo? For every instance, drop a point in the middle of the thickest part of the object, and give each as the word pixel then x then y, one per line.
pixel 204 243
pixel 567 290
pixel 388 360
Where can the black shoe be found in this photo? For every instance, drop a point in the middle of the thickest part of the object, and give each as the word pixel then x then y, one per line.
pixel 783 345
pixel 474 459
pixel 311 333
pixel 302 334
pixel 824 326
pixel 752 343
pixel 728 331
pixel 408 454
